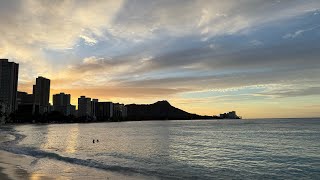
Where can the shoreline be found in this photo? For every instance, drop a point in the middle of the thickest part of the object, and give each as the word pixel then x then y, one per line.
pixel 13 166
pixel 10 166
pixel 10 163
pixel 94 122
pixel 18 166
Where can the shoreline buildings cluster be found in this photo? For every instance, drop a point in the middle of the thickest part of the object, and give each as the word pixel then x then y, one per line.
pixel 25 105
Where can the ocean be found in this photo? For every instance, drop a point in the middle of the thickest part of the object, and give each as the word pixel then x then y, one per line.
pixel 197 149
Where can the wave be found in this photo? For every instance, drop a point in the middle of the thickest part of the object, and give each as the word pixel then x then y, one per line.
pixel 11 146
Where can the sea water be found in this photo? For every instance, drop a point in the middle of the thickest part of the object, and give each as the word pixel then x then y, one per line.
pixel 197 149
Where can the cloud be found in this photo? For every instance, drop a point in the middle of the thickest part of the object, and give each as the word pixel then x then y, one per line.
pixel 293 92
pixel 201 68
pixel 207 17
pixel 202 58
pixel 31 27
pixel 89 40
pixel 233 80
pixel 92 60
pixel 59 25
pixel 256 42
pixel 299 32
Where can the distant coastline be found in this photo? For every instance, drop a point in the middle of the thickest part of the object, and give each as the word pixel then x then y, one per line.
pixel 161 110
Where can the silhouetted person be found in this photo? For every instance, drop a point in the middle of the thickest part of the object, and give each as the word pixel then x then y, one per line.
pixel 97 140
pixel 93 141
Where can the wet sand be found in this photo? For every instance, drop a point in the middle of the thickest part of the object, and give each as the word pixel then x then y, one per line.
pixel 11 166
pixel 21 167
pixel 3 176
pixel 11 169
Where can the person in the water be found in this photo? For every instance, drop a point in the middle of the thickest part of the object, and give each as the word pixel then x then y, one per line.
pixel 97 140
pixel 93 141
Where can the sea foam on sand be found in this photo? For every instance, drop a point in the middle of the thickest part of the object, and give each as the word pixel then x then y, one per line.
pixel 16 166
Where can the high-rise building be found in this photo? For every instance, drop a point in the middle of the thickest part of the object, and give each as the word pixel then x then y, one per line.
pixel 104 111
pixel 61 99
pixel 26 106
pixel 94 103
pixel 71 110
pixel 61 103
pixel 41 92
pixel 24 98
pixel 8 84
pixel 84 106
pixel 119 110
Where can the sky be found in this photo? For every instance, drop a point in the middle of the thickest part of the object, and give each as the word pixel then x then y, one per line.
pixel 260 58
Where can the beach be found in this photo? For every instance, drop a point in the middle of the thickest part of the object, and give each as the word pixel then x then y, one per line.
pixel 23 167
pixel 12 167
pixel 10 164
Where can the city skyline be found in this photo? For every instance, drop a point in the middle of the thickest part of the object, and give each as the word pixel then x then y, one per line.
pixel 38 103
pixel 258 58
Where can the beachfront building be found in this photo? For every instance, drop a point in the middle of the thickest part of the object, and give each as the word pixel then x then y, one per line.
pixel 104 111
pixel 26 106
pixel 94 104
pixel 41 92
pixel 84 106
pixel 119 111
pixel 24 98
pixel 8 84
pixel 61 103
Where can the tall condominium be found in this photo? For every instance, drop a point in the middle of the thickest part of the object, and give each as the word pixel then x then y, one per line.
pixel 104 111
pixel 119 110
pixel 94 103
pixel 84 106
pixel 61 103
pixel 8 84
pixel 61 99
pixel 41 92
pixel 24 98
